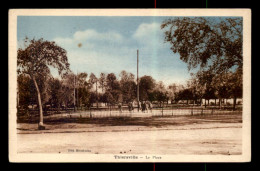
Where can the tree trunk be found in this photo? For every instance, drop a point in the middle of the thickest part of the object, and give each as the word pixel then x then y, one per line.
pixel 234 103
pixel 205 103
pixel 96 96
pixel 40 104
pixel 77 101
pixel 220 100
pixel 215 102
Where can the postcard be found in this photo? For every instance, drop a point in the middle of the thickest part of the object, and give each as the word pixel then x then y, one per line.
pixel 129 85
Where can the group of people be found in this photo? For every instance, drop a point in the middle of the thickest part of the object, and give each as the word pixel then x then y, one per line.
pixel 143 106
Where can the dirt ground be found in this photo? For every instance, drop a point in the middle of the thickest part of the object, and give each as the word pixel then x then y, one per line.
pixel 207 134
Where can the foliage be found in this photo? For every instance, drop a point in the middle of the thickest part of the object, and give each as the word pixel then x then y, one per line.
pixel 108 98
pixel 102 81
pixel 206 42
pixel 26 92
pixel 128 86
pixel 112 89
pixel 39 56
pixel 92 80
pixel 146 85
pixel 56 93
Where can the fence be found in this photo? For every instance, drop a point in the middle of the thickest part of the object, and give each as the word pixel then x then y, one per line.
pixel 113 111
pixel 157 112
pixel 193 111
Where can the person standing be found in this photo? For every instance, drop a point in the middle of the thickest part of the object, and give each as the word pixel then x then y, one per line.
pixel 146 106
pixel 120 107
pixel 151 106
pixel 130 106
pixel 143 106
pixel 140 105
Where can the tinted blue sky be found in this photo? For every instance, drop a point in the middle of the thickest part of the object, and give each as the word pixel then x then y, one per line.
pixel 109 44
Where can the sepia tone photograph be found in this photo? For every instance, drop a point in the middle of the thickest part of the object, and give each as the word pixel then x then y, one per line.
pixel 146 85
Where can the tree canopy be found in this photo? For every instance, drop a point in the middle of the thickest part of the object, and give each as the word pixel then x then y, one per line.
pixel 206 42
pixel 39 55
pixel 146 85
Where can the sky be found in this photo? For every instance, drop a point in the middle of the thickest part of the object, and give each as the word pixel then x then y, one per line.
pixel 109 44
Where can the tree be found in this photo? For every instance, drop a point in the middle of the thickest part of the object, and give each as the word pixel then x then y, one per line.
pixel 172 89
pixel 160 92
pixel 228 85
pixel 94 80
pixel 128 86
pixel 35 60
pixel 81 79
pixel 153 96
pixel 68 89
pixel 83 89
pixel 111 82
pixel 108 98
pixel 125 76
pixel 26 93
pixel 210 93
pixel 236 86
pixel 160 96
pixel 206 87
pixel 102 81
pixel 220 84
pixel 56 93
pixel 113 87
pixel 197 89
pixel 204 41
pixel 185 94
pixel 128 90
pixel 146 85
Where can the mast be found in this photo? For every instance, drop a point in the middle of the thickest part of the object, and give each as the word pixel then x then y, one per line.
pixel 137 80
pixel 74 99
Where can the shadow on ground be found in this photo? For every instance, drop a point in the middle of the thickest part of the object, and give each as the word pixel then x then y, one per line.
pixel 146 121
